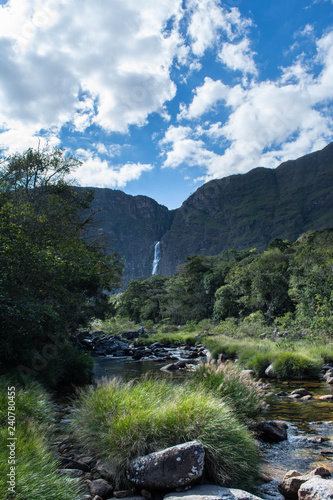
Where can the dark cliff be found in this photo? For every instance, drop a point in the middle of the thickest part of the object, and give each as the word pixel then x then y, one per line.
pixel 131 226
pixel 240 211
pixel 249 210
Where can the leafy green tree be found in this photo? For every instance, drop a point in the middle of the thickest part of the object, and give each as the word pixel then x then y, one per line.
pixel 51 281
pixel 311 285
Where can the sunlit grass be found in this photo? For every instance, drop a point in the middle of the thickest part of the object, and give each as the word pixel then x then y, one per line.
pixel 122 421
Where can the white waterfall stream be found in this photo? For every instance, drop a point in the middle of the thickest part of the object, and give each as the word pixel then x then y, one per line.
pixel 157 257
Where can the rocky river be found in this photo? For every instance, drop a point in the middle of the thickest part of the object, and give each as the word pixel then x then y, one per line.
pixel 304 408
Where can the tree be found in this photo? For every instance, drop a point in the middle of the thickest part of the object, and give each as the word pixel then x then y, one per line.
pixel 51 282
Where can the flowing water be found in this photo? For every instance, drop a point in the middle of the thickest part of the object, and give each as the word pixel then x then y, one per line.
pixel 310 423
pixel 157 258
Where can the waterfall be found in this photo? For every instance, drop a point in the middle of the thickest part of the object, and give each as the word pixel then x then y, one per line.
pixel 157 257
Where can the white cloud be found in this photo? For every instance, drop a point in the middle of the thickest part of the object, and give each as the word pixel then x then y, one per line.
pixel 238 56
pixel 98 173
pixel 208 18
pixel 206 96
pixel 269 122
pixel 115 52
pixel 209 95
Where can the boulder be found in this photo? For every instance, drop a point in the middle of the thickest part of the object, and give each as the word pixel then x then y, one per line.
pixel 291 483
pixel 173 467
pixel 302 392
pixel 269 372
pixel 172 367
pixel 321 471
pixel 211 492
pixel 270 431
pixel 100 488
pixel 316 488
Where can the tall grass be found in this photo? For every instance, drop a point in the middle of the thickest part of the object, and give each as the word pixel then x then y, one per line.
pixel 227 381
pixel 36 465
pixel 121 421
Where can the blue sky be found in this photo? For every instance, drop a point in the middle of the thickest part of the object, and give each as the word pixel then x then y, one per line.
pixel 158 97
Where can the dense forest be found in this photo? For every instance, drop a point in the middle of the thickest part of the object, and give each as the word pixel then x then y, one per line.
pixel 288 283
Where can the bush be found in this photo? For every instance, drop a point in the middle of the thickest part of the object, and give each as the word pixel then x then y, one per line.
pixel 292 365
pixel 123 421
pixel 227 381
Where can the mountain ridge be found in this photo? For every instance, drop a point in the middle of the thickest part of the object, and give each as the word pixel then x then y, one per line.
pixel 239 211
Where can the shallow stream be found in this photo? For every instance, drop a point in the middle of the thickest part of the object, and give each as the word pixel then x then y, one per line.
pixel 310 423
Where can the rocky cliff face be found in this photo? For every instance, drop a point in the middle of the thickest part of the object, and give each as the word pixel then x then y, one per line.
pixel 131 226
pixel 240 211
pixel 249 210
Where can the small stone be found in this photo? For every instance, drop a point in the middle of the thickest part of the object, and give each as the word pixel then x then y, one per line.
pixel 172 367
pixel 282 394
pixel 121 493
pixel 71 472
pixel 306 398
pixel 317 439
pixel 74 464
pixel 327 397
pixel 146 494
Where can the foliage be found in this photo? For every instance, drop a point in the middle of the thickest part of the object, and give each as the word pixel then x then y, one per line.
pixel 49 272
pixel 290 285
pixel 123 421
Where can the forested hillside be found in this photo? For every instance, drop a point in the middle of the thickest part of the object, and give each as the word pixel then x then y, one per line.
pixel 287 282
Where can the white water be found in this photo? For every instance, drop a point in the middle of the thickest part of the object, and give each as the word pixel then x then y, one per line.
pixel 157 257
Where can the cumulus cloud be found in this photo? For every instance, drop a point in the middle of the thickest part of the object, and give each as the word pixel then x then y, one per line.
pixel 115 53
pixel 208 96
pixel 208 19
pixel 269 122
pixel 99 173
pixel 238 56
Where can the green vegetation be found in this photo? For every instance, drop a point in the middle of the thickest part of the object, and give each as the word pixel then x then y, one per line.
pixel 52 281
pixel 35 463
pixel 227 381
pixel 121 421
pixel 288 286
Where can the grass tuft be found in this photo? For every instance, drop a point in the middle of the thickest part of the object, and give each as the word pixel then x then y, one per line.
pixel 227 381
pixel 121 421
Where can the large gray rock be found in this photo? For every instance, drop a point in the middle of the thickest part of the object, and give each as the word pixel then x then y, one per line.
pixel 173 467
pixel 211 492
pixel 316 488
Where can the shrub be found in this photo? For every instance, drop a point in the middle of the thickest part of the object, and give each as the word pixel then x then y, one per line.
pixel 293 365
pixel 121 421
pixel 227 381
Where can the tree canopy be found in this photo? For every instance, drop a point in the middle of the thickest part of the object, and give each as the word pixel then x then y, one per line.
pixel 52 281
